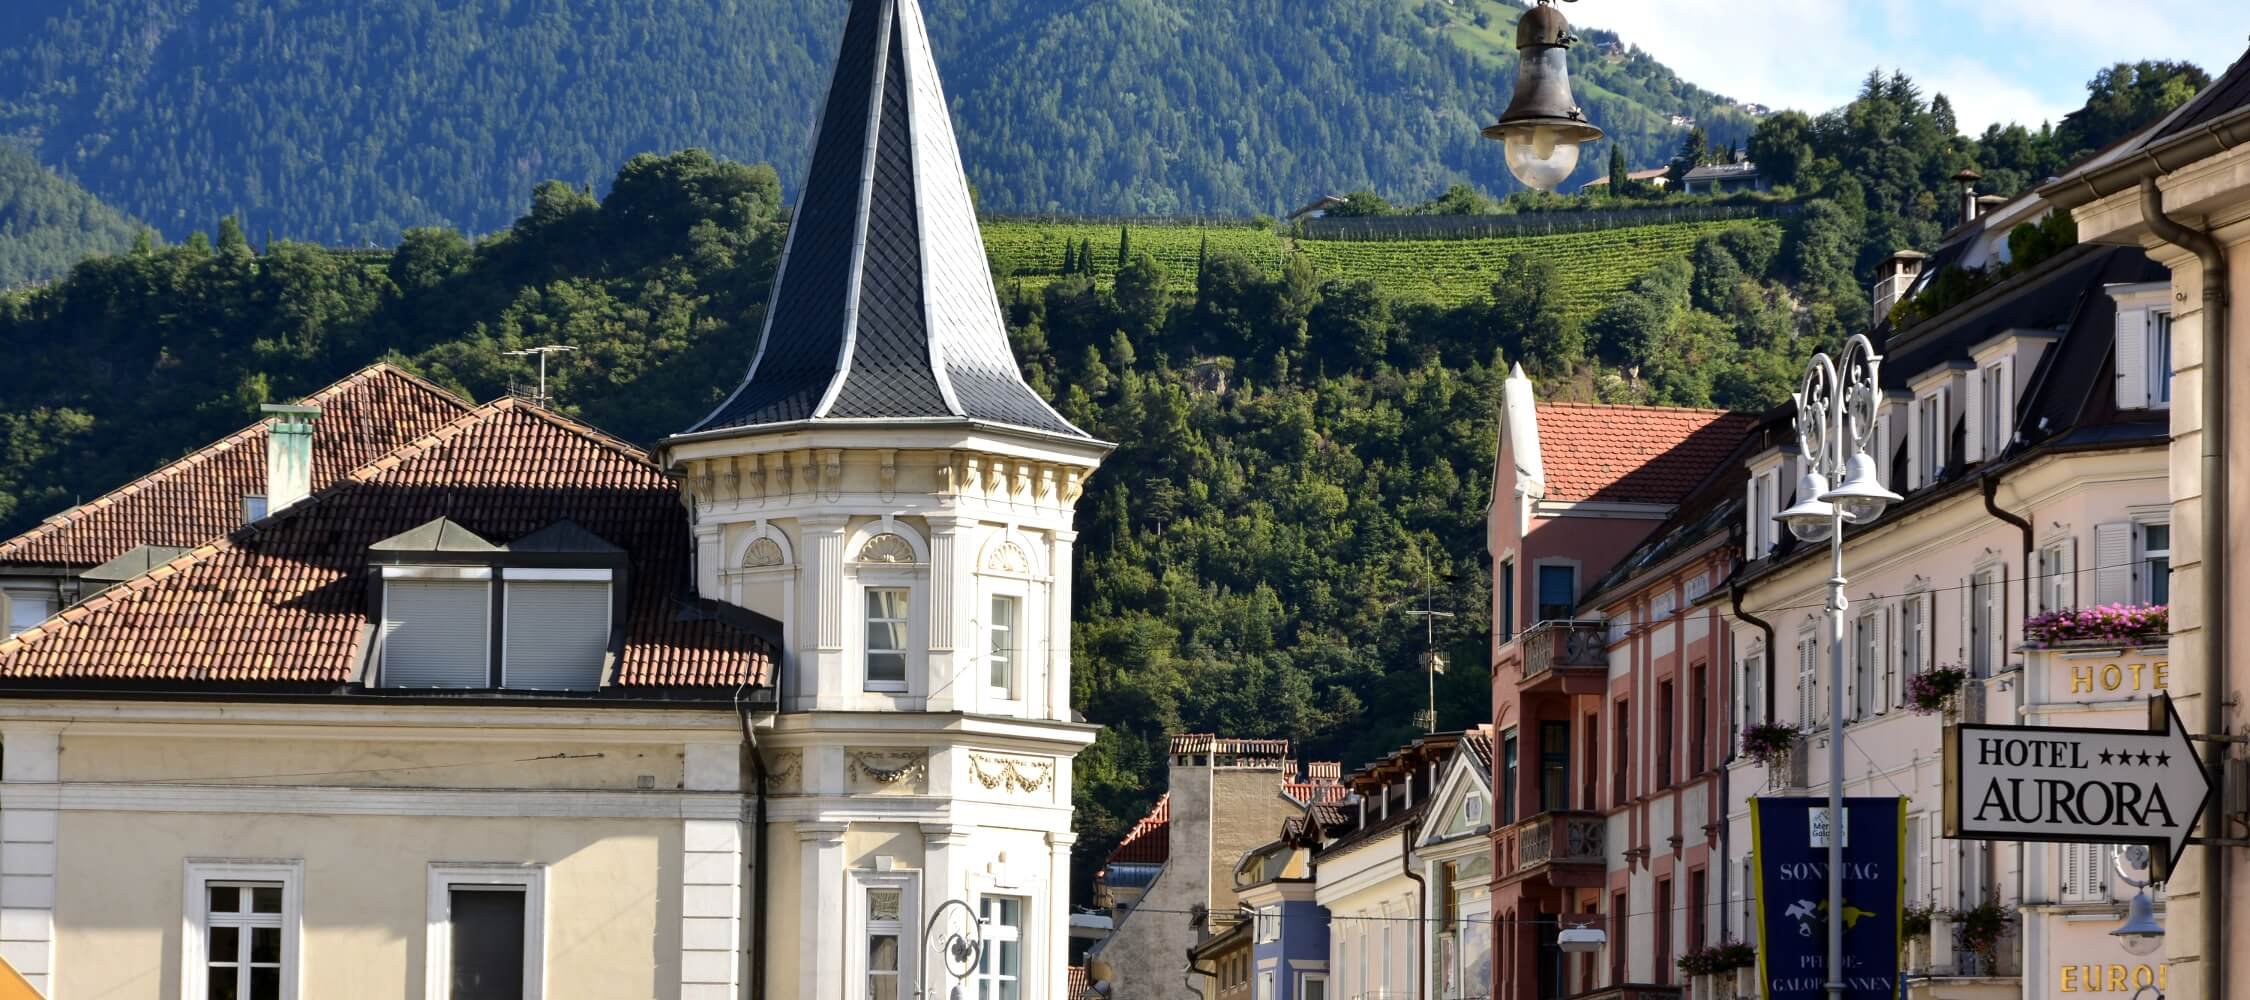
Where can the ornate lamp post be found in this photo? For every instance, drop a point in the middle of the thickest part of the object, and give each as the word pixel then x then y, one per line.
pixel 960 949
pixel 1836 410
pixel 1542 127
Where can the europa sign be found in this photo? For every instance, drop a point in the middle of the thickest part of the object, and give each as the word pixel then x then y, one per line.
pixel 2060 785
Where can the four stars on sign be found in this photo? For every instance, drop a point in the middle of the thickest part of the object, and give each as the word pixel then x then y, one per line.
pixel 2144 758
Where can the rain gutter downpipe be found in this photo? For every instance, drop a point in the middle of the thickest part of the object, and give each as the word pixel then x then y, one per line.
pixel 1421 899
pixel 2213 385
pixel 1991 485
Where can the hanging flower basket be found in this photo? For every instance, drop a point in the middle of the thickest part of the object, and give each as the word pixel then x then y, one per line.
pixel 1726 956
pixel 1981 927
pixel 1914 921
pixel 1935 690
pixel 2127 623
pixel 1768 743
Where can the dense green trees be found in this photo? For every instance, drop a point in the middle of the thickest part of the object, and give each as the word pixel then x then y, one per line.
pixel 48 223
pixel 344 125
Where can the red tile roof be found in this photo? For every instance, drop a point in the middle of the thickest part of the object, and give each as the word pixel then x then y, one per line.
pixel 1632 454
pixel 1080 987
pixel 1151 840
pixel 1309 792
pixel 284 600
pixel 199 497
pixel 1209 743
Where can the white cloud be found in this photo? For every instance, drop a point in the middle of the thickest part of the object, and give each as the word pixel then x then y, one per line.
pixel 1997 60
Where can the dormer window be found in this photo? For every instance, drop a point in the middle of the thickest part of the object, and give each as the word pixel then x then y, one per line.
pixel 457 611
pixel 1996 410
pixel 253 508
pixel 2143 345
pixel 1930 435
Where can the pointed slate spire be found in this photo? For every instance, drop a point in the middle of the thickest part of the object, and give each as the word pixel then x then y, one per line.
pixel 884 308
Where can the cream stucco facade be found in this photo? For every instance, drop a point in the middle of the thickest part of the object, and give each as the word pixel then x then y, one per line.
pixel 114 812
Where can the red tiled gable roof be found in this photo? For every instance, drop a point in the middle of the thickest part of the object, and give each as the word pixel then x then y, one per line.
pixel 199 497
pixel 1080 987
pixel 1478 742
pixel 284 600
pixel 1632 454
pixel 1309 792
pixel 1150 842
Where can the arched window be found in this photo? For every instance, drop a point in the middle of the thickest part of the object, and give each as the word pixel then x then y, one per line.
pixel 1010 609
pixel 889 569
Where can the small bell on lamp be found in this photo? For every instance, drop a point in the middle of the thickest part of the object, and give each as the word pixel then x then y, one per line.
pixel 1542 128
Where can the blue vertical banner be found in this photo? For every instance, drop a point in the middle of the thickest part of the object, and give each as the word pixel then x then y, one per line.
pixel 1790 836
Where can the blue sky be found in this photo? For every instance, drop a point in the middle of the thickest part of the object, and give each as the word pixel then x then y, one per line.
pixel 1997 60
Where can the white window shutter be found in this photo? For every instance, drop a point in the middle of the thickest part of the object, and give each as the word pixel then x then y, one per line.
pixel 1966 596
pixel 557 635
pixel 1808 682
pixel 2113 562
pixel 1972 443
pixel 2069 586
pixel 437 633
pixel 1885 666
pixel 2070 875
pixel 2132 359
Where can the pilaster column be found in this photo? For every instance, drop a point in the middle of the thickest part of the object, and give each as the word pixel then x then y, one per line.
pixel 821 657
pixel 943 858
pixel 952 671
pixel 30 766
pixel 821 922
pixel 1056 963
pixel 710 557
pixel 1058 624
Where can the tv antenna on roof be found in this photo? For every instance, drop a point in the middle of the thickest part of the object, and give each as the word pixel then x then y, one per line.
pixel 1433 662
pixel 542 351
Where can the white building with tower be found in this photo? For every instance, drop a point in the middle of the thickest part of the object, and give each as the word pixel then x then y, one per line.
pixel 885 486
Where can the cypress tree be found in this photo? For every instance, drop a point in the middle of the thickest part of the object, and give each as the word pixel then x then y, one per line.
pixel 1124 246
pixel 1070 256
pixel 1619 177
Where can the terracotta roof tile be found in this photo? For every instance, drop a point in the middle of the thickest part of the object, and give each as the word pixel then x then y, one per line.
pixel 1081 987
pixel 284 600
pixel 1632 454
pixel 1151 839
pixel 199 497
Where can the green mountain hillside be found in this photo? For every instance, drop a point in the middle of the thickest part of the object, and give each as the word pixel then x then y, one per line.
pixel 343 124
pixel 48 223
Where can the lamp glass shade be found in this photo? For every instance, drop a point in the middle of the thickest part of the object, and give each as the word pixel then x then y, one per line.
pixel 1580 940
pixel 1539 155
pixel 1861 495
pixel 2140 934
pixel 1811 518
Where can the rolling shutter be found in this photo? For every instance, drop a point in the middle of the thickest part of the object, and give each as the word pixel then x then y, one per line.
pixel 557 634
pixel 2132 359
pixel 2113 562
pixel 437 633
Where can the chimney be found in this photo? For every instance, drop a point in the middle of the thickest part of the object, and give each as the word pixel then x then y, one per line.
pixel 1325 771
pixel 1893 277
pixel 289 436
pixel 1968 179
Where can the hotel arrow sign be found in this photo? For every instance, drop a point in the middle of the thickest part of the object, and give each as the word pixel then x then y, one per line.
pixel 2061 785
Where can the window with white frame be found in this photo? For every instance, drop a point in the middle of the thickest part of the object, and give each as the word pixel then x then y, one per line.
pixel 244 920
pixel 884 931
pixel 1265 985
pixel 887 637
pixel 27 608
pixel 487 932
pixel 1867 653
pixel 2160 360
pixel 1985 628
pixel 1808 680
pixel 1930 433
pixel 1995 416
pixel 1002 639
pixel 1914 640
pixel 1753 686
pixel 1759 531
pixel 2084 873
pixel 253 508
pixel 2156 564
pixel 1312 986
pixel 2054 575
pixel 1269 924
pixel 1000 970
pixel 1916 883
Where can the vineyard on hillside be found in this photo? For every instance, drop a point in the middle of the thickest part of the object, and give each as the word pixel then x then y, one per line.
pixel 1593 265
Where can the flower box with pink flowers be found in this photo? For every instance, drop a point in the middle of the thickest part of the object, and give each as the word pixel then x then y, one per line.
pixel 2112 624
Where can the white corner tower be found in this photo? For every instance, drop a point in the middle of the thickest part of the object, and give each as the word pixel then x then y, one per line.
pixel 885 485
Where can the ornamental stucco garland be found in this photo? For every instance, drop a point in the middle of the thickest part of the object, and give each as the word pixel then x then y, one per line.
pixel 1011 774
pixel 889 768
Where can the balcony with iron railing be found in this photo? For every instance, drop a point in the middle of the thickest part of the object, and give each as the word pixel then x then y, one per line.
pixel 1569 656
pixel 1563 846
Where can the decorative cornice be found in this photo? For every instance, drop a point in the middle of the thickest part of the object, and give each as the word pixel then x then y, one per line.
pixel 1011 774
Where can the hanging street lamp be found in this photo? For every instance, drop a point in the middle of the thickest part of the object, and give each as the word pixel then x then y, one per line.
pixel 1837 407
pixel 1542 128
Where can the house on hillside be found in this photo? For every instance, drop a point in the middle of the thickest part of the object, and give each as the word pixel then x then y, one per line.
pixel 1724 178
pixel 1656 177
pixel 212 490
